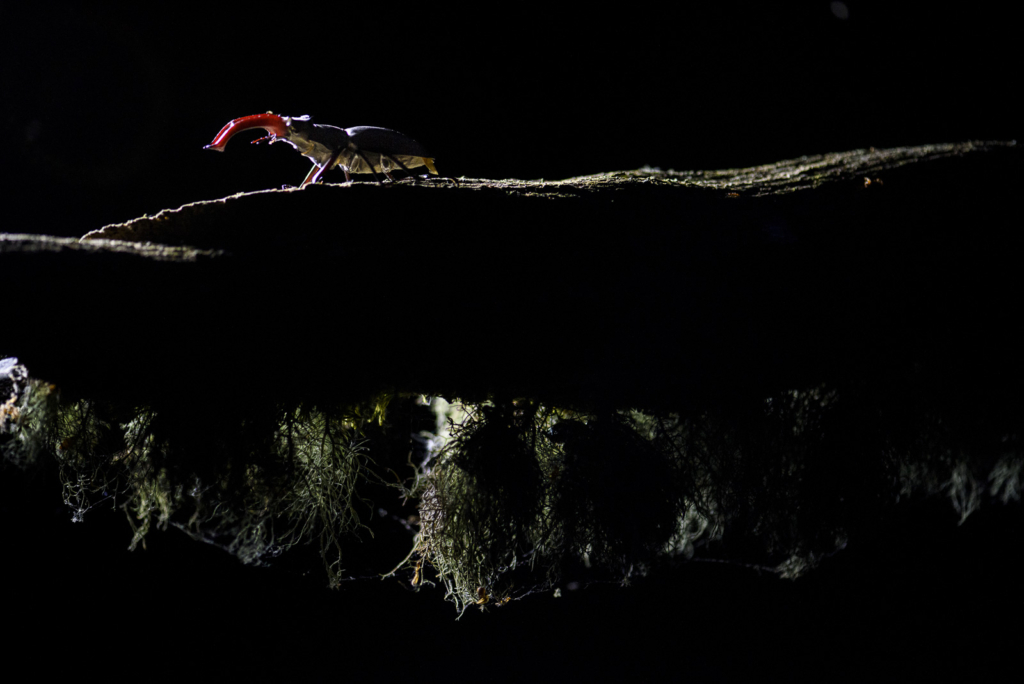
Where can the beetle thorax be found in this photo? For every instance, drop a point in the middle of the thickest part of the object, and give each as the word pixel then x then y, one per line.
pixel 315 141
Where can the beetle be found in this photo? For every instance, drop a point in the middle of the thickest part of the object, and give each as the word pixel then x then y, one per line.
pixel 361 149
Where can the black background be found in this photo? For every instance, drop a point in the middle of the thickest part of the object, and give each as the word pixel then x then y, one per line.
pixel 105 112
pixel 104 115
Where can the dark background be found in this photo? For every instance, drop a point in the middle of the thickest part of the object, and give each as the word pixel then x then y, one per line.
pixel 105 112
pixel 104 115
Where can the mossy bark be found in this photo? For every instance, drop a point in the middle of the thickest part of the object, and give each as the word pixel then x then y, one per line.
pixel 805 340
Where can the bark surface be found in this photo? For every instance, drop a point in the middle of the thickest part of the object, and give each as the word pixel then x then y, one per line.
pixel 644 287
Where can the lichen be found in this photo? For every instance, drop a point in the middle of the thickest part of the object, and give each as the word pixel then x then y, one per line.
pixel 514 496
pixel 302 488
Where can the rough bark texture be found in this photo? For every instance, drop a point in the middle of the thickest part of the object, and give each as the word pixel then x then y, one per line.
pixel 664 289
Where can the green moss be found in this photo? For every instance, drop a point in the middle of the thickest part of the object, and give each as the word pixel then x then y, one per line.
pixel 296 487
pixel 514 496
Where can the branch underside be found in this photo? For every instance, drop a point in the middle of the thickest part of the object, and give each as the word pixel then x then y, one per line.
pixel 875 287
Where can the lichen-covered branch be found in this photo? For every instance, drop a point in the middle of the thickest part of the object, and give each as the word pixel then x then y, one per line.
pixel 744 365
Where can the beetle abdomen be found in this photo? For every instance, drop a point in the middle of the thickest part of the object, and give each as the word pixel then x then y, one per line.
pixel 383 163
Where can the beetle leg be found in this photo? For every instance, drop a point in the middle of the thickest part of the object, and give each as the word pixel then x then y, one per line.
pixel 318 171
pixel 365 159
pixel 397 161
pixel 309 175
pixel 385 169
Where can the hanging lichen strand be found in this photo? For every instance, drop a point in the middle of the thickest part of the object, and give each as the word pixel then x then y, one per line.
pixel 288 477
pixel 514 496
pixel 522 484
pixel 562 492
